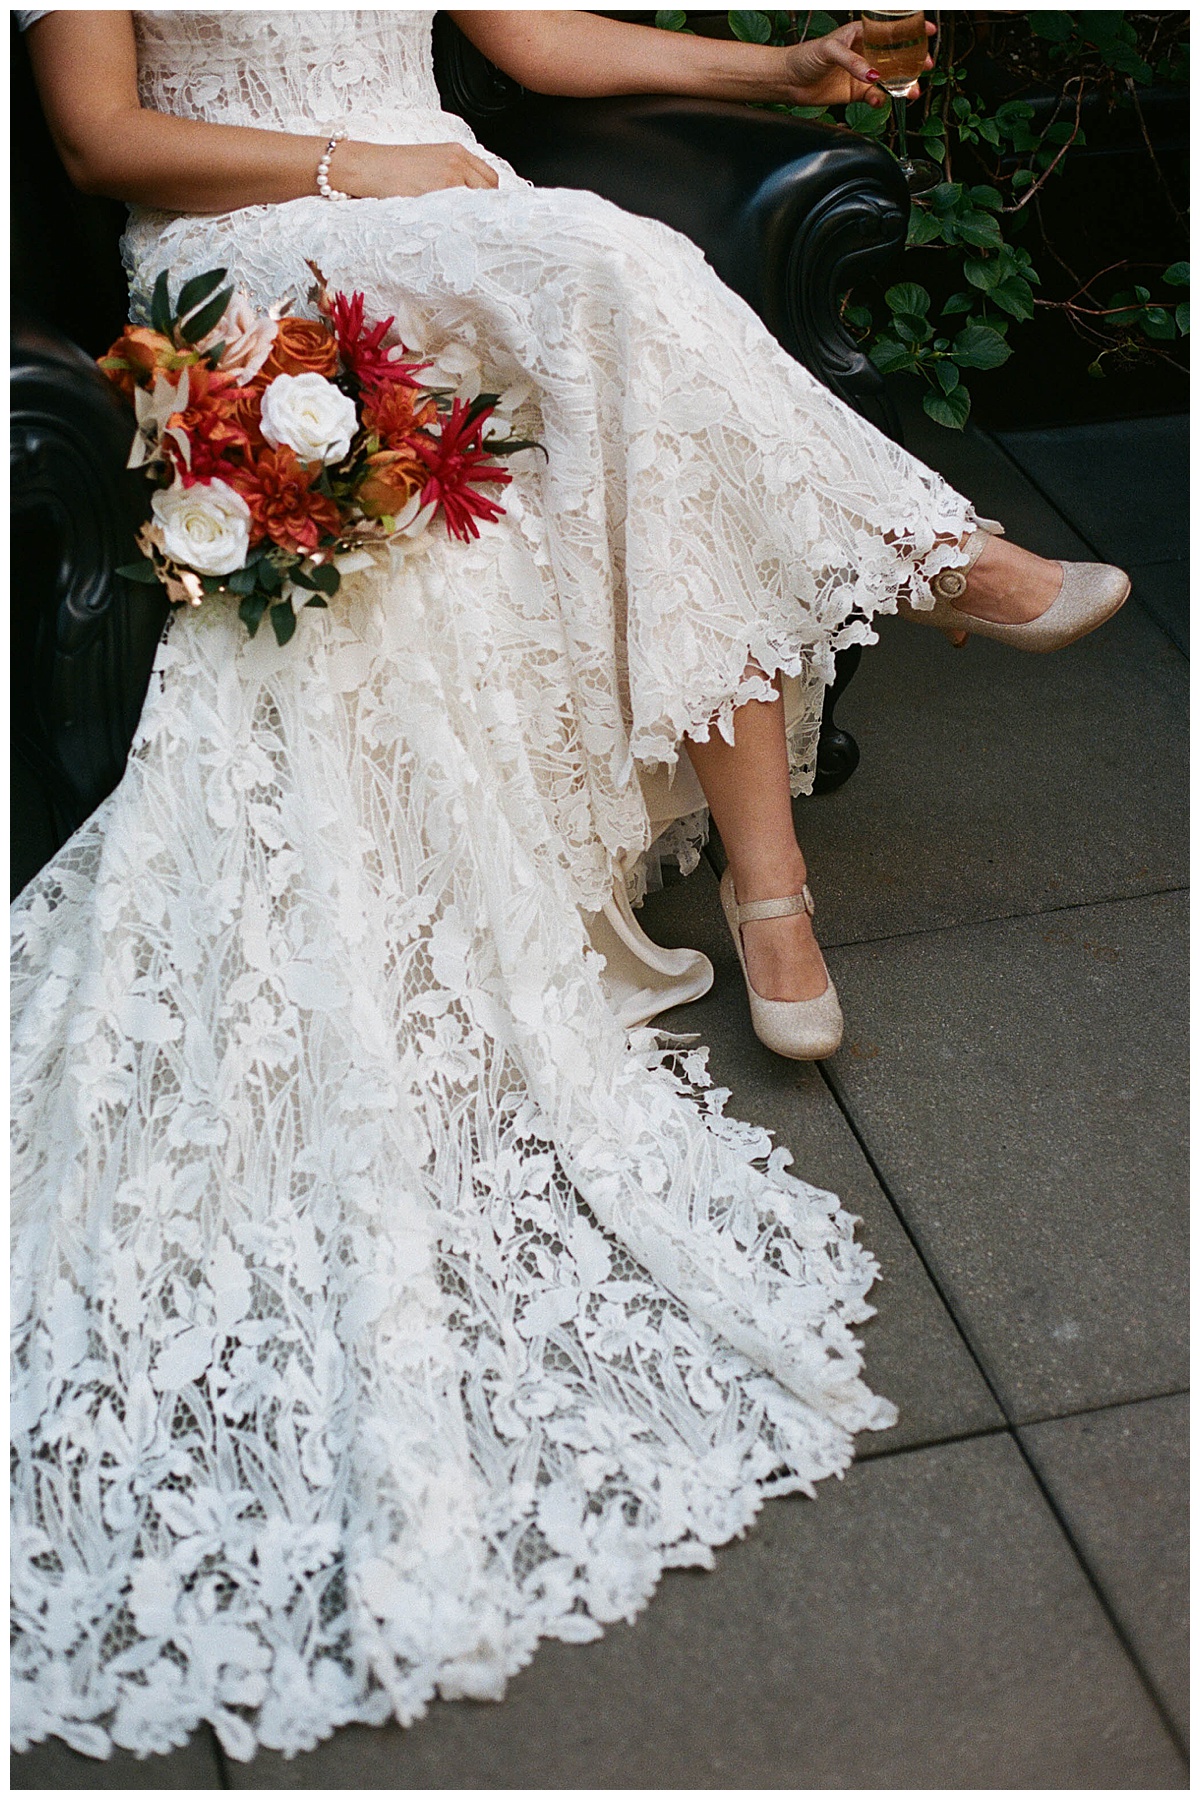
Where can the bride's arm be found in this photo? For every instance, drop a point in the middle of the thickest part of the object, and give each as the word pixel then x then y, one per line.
pixel 580 53
pixel 85 65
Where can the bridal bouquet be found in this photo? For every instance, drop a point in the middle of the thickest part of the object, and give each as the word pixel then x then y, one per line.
pixel 284 450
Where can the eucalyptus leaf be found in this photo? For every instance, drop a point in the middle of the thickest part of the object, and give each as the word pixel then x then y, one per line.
pixel 203 321
pixel 160 306
pixel 143 571
pixel 198 289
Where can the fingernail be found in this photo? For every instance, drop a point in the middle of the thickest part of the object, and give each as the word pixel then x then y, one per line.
pixel 874 75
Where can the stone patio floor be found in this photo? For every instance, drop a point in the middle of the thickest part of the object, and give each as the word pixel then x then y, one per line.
pixel 996 1594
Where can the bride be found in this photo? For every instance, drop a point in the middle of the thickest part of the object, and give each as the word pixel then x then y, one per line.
pixel 389 1295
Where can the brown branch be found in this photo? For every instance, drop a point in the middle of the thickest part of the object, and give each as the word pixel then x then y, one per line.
pixel 1044 177
pixel 1137 107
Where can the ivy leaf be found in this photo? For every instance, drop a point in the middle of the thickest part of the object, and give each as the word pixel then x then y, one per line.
pixel 980 347
pixel 1056 26
pixel 922 227
pixel 160 306
pixel 750 27
pixel 868 121
pixel 1178 275
pixel 251 610
pixel 1014 296
pixel 978 228
pixel 907 297
pixel 283 621
pixel 949 409
pixel 888 355
pixel 1157 322
pixel 143 570
pixel 982 274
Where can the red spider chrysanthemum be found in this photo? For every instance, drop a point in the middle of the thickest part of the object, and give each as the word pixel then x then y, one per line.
pixel 456 459
pixel 362 348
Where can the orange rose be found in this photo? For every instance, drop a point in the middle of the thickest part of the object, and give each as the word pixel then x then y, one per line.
pixel 143 351
pixel 394 476
pixel 301 347
pixel 392 412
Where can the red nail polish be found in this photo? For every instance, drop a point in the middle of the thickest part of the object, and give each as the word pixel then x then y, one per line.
pixel 874 75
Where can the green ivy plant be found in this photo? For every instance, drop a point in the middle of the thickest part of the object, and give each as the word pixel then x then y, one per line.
pixel 979 226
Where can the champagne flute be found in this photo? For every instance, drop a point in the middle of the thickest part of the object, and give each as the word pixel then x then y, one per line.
pixel 896 44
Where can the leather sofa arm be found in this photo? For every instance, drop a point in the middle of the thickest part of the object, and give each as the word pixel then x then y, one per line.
pixel 83 639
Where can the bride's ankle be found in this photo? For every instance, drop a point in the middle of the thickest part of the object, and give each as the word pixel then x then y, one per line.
pixel 770 878
pixel 1010 585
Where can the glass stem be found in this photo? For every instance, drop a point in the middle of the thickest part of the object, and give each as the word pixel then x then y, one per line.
pixel 900 104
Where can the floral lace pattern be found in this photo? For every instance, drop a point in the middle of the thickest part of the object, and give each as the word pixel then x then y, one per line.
pixel 382 1305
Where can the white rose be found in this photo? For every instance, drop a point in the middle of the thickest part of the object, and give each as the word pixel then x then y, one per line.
pixel 310 416
pixel 205 527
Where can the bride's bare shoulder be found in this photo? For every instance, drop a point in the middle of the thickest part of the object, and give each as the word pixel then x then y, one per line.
pixel 85 66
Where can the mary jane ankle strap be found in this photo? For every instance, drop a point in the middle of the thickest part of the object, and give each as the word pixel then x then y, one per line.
pixel 776 909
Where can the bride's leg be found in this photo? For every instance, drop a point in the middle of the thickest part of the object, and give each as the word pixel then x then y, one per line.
pixel 746 786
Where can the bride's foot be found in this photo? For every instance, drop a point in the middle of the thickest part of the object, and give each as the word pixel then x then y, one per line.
pixel 783 958
pixel 1010 586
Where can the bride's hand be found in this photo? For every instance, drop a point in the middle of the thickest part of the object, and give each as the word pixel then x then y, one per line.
pixel 379 171
pixel 832 70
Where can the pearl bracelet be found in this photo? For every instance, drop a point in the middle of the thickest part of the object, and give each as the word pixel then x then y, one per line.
pixel 323 188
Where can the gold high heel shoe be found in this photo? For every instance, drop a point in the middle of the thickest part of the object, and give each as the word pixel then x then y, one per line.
pixel 1090 594
pixel 802 1029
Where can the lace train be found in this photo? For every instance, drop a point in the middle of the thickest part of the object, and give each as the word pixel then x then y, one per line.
pixel 382 1305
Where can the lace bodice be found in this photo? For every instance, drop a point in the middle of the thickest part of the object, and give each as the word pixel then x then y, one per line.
pixel 293 71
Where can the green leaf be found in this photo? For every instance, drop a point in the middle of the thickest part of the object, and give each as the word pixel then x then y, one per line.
pixel 888 356
pixel 868 121
pixel 948 409
pixel 160 306
pixel 983 274
pixel 242 581
pixel 922 227
pixel 326 579
pixel 819 25
pixel 947 376
pixel 251 610
pixel 987 196
pixel 670 21
pixel 317 600
pixel 1014 296
pixel 197 289
pixel 203 321
pixel 750 27
pixel 1178 275
pixel 1157 322
pixel 1056 26
pixel 283 621
pixel 819 115
pixel 143 570
pixel 990 132
pixel 910 329
pixel 907 297
pixel 978 228
pixel 943 198
pixel 269 577
pixel 859 317
pixel 980 347
pixel 1142 294
pixel 1183 317
pixel 959 303
pixel 1011 114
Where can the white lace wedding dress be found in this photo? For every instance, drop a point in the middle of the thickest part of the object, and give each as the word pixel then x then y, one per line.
pixel 388 1295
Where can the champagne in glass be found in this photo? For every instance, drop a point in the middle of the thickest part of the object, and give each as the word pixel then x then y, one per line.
pixel 896 44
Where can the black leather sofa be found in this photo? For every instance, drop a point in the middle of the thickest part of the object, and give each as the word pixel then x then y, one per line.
pixel 788 212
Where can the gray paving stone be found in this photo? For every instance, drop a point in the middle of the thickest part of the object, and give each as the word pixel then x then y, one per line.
pixel 1120 1479
pixel 1123 484
pixel 924 1624
pixel 1163 589
pixel 914 1353
pixel 994 782
pixel 1021 1085
pixel 52 1765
